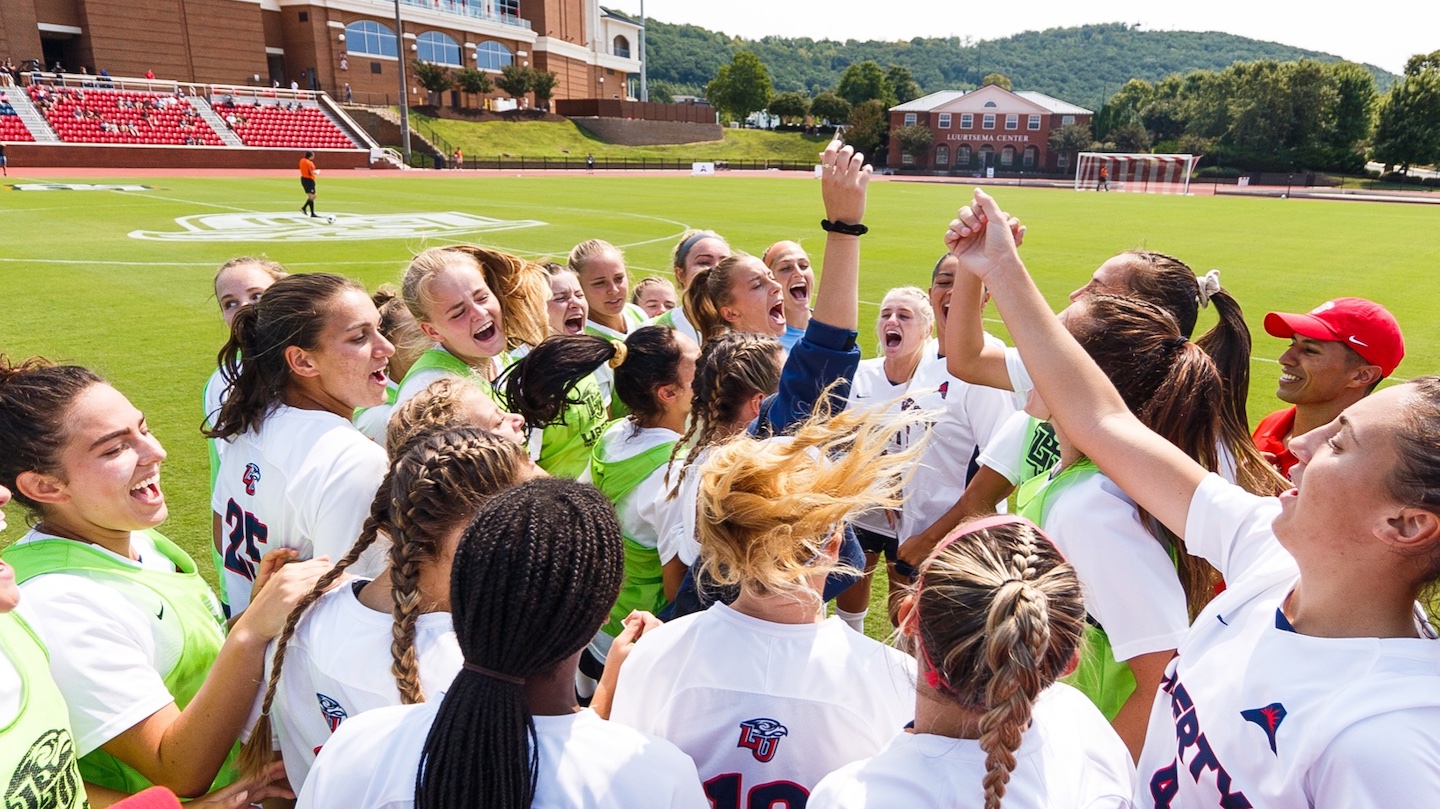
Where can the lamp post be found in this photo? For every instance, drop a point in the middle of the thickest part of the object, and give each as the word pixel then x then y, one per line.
pixel 404 94
pixel 644 66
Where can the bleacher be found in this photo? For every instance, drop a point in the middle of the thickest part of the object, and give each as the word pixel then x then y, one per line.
pixel 12 129
pixel 96 115
pixel 283 124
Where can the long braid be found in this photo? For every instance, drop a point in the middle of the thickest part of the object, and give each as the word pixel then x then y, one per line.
pixel 438 482
pixel 732 368
pixel 534 577
pixel 256 754
pixel 998 618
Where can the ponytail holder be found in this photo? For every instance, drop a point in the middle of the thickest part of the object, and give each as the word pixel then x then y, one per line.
pixel 1209 287
pixel 621 352
pixel 1177 343
pixel 494 675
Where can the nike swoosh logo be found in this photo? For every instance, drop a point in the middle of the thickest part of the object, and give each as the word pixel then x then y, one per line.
pixel 1358 343
pixel 161 615
pixel 1222 620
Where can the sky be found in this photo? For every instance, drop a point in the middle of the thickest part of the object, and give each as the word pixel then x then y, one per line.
pixel 1389 32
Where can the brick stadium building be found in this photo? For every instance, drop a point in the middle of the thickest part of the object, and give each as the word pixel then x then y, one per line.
pixel 325 44
pixel 986 128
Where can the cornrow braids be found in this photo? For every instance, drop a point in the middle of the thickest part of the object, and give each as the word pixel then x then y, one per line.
pixel 732 368
pixel 534 577
pixel 998 618
pixel 35 398
pixel 441 476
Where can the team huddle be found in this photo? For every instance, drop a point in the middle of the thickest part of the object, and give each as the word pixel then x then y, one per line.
pixel 513 533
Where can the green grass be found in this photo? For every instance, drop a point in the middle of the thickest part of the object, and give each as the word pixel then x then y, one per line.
pixel 538 139
pixel 76 287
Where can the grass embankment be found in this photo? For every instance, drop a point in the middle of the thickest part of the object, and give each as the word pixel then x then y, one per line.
pixel 557 139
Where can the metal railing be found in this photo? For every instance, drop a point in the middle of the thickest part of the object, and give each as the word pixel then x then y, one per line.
pixel 477 9
pixel 573 163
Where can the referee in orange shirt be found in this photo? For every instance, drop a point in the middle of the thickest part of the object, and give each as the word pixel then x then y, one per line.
pixel 307 182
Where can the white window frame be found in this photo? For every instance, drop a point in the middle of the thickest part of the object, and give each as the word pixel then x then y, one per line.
pixel 988 122
pixel 944 121
pixel 1012 121
pixel 967 120
pixel 1034 123
pixel 910 119
pixel 1067 120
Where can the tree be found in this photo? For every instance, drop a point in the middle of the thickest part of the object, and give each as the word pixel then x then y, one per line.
pixel 998 79
pixel 869 129
pixel 476 82
pixel 542 83
pixel 741 87
pixel 914 140
pixel 789 106
pixel 1130 138
pixel 1407 131
pixel 515 80
pixel 660 92
pixel 865 81
pixel 1070 140
pixel 434 78
pixel 902 84
pixel 829 107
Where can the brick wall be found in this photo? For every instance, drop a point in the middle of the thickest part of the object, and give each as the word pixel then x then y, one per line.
pixel 51 155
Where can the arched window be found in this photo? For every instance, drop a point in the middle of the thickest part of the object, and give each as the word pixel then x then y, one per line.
pixel 962 156
pixel 1032 156
pixel 493 56
pixel 942 156
pixel 1007 157
pixel 621 47
pixel 437 48
pixel 370 38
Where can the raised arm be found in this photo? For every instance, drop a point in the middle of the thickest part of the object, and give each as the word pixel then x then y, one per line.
pixel 1081 400
pixel 844 178
pixel 967 356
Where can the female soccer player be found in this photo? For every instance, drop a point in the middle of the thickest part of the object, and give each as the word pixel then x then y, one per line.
pixel 740 294
pixel 474 305
pixel 1339 683
pixel 803 694
pixel 903 330
pixel 790 265
pixel 297 474
pixel 697 250
pixel 534 576
pixel 995 617
pixel 388 641
pixel 399 327
pixel 600 267
pixel 654 295
pixel 156 691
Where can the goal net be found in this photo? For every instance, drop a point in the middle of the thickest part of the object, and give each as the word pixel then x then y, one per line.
pixel 1136 173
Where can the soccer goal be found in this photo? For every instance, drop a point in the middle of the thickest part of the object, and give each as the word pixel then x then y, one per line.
pixel 1136 173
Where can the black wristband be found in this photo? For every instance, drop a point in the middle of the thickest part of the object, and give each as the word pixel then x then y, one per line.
pixel 843 228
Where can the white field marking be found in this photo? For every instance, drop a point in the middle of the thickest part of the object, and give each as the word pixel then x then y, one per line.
pixel 289 226
pixel 149 195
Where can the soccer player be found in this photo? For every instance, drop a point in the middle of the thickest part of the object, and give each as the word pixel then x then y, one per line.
pixel 1339 682
pixel 790 265
pixel 308 173
pixel 1338 354
pixel 655 295
pixel 387 641
pixel 995 618
pixel 534 576
pixel 297 474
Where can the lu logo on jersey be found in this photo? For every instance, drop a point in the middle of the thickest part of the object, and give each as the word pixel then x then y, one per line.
pixel 1268 718
pixel 761 737
pixel 250 478
pixel 334 712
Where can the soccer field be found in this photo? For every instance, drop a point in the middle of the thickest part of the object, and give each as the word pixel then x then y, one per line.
pixel 119 280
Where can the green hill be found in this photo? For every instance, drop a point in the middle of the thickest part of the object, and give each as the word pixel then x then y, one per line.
pixel 1081 65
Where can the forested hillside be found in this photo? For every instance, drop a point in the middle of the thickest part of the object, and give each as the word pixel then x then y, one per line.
pixel 1082 65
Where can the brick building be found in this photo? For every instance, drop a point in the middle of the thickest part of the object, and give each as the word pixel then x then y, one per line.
pixel 325 44
pixel 987 128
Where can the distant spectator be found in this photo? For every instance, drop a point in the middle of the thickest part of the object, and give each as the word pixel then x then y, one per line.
pixel 149 74
pixel 4 162
pixel 349 96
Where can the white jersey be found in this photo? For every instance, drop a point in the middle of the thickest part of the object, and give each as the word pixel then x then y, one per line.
pixel 1006 451
pixel 765 709
pixel 338 666
pixel 584 763
pixel 677 515
pixel 676 319
pixel 215 390
pixel 1126 575
pixel 304 480
pixel 1251 713
pixel 870 385
pixel 965 418
pixel 109 642
pixel 1069 758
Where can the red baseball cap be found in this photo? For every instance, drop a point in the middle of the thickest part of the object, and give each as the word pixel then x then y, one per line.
pixel 1365 326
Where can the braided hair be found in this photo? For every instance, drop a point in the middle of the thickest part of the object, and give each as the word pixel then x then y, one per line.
pixel 534 577
pixel 998 617
pixel 439 478
pixel 732 368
